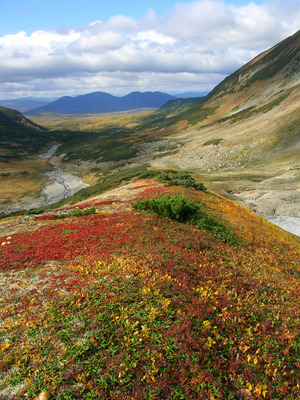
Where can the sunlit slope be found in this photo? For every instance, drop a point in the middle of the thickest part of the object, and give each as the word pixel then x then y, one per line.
pixel 258 87
pixel 260 82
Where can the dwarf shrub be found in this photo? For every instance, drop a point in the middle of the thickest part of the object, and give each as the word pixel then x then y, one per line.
pixel 180 209
pixel 173 206
pixel 183 179
pixel 77 213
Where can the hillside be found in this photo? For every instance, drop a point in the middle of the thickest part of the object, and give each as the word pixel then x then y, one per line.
pixel 100 102
pixel 22 172
pixel 125 303
pixel 176 107
pixel 245 137
pixel 19 135
pixel 242 140
pixel 153 283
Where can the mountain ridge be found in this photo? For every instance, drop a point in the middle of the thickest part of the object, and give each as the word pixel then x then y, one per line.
pixel 246 133
pixel 102 102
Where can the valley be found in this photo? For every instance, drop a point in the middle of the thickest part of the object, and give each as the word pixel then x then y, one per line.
pixel 136 256
pixel 252 160
pixel 64 185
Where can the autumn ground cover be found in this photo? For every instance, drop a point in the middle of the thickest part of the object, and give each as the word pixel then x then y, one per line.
pixel 126 304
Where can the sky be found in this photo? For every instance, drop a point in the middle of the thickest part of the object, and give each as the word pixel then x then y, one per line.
pixel 52 48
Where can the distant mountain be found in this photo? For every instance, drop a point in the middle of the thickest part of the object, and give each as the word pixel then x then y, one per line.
pixel 101 102
pixel 26 103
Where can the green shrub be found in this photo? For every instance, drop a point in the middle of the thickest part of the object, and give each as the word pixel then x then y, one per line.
pixel 183 179
pixel 173 206
pixel 180 209
pixel 213 141
pixel 77 213
pixel 212 224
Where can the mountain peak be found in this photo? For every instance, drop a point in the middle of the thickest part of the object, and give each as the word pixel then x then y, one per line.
pixel 279 63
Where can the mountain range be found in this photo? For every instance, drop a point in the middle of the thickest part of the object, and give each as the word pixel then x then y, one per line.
pixel 101 102
pixel 26 103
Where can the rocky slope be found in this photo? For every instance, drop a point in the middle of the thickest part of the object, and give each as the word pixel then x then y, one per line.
pixel 249 141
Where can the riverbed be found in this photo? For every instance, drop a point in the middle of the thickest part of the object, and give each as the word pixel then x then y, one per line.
pixel 289 224
pixel 63 184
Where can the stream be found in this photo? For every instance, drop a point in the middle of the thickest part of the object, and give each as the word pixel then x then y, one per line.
pixel 64 185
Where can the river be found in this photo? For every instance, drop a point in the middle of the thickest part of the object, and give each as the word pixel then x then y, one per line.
pixel 64 185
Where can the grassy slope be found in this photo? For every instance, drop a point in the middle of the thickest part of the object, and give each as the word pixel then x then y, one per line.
pixel 21 178
pixel 19 136
pixel 125 304
pixel 255 112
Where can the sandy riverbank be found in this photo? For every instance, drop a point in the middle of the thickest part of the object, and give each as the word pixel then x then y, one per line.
pixel 289 224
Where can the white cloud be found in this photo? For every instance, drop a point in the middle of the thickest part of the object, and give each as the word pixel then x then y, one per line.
pixel 193 47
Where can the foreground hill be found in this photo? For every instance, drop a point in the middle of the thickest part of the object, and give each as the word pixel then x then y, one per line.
pixel 124 304
pixel 100 102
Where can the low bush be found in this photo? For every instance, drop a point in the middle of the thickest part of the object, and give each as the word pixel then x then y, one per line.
pixel 180 209
pixel 215 142
pixel 173 206
pixel 77 213
pixel 183 179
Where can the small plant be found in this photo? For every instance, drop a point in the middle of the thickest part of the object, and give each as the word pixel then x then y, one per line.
pixel 173 206
pixel 180 209
pixel 183 179
pixel 77 213
pixel 215 142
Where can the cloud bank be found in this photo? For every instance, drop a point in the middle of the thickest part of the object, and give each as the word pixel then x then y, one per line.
pixel 193 47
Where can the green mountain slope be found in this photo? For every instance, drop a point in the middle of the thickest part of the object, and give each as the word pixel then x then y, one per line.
pixel 245 136
pixel 280 63
pixel 18 135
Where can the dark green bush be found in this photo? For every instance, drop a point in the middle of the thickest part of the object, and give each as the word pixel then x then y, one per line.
pixel 215 142
pixel 212 224
pixel 173 206
pixel 180 209
pixel 183 179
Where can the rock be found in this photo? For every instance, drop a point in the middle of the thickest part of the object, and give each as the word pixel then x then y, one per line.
pixel 43 396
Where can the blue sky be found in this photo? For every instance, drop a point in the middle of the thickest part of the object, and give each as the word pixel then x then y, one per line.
pixel 31 15
pixel 70 47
